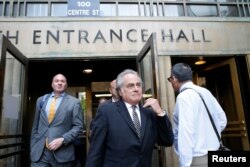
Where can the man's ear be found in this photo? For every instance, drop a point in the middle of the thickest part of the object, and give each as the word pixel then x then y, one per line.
pixel 174 78
pixel 119 91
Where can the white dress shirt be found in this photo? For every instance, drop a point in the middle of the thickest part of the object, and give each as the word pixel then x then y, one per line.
pixel 193 132
pixel 130 111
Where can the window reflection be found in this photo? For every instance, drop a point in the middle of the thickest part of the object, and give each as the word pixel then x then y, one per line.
pixel 145 9
pixel 229 11
pixel 157 10
pixel 107 10
pixel 59 9
pixel 202 11
pixel 247 12
pixel 7 9
pixel 1 9
pixel 15 9
pixel 173 10
pixel 37 9
pixel 128 10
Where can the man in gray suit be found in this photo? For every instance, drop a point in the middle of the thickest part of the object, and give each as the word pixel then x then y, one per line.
pixel 52 139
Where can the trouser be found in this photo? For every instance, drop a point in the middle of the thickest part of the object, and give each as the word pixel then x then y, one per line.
pixel 200 161
pixel 48 160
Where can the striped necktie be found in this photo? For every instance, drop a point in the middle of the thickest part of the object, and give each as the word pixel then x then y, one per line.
pixel 52 109
pixel 136 121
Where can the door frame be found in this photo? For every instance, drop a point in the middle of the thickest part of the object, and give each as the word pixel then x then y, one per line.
pixel 234 128
pixel 7 47
pixel 150 47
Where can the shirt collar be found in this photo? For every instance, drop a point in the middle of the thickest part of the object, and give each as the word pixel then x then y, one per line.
pixel 129 105
pixel 186 85
pixel 61 95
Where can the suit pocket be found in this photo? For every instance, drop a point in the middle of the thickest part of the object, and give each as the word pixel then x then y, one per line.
pixel 36 150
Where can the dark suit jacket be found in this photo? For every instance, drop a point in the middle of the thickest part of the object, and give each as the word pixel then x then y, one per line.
pixel 114 142
pixel 67 123
pixel 90 126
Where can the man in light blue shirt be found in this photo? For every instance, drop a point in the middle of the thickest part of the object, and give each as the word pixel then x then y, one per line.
pixel 194 135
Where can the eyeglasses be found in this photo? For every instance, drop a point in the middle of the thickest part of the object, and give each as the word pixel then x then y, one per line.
pixel 170 78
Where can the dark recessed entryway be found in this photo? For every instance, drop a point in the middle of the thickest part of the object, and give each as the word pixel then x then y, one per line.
pixel 41 72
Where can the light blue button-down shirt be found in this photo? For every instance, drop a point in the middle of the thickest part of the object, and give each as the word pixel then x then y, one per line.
pixel 58 102
pixel 193 131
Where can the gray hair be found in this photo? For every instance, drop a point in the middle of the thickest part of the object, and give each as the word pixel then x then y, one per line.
pixel 119 79
pixel 182 72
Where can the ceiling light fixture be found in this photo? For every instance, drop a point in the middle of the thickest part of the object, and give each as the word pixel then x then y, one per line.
pixel 87 71
pixel 200 61
pixel 103 95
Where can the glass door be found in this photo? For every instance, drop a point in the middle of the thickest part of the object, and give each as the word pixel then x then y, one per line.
pixel 13 88
pixel 222 80
pixel 147 65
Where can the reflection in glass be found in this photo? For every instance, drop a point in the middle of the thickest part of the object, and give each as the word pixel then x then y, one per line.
pixel 157 9
pixel 146 73
pixel 18 9
pixel 173 10
pixel 7 9
pixel 107 10
pixel 202 10
pixel 37 9
pixel 128 10
pixel 1 8
pixel 21 8
pixel 82 98
pixel 59 9
pixel 11 123
pixel 147 94
pixel 229 11
pixel 247 10
pixel 145 9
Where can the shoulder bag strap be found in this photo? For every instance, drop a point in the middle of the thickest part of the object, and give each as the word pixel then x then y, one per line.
pixel 210 117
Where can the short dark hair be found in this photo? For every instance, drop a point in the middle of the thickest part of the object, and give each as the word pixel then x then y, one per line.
pixel 182 72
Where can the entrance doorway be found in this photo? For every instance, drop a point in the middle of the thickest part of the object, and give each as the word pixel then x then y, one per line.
pixel 79 83
pixel 220 76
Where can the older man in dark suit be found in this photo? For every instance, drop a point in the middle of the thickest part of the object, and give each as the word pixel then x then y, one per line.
pixel 124 133
pixel 57 122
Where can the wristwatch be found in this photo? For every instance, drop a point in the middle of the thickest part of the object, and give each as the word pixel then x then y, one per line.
pixel 165 112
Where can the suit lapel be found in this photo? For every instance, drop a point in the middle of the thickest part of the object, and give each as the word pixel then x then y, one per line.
pixel 122 109
pixel 143 121
pixel 43 113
